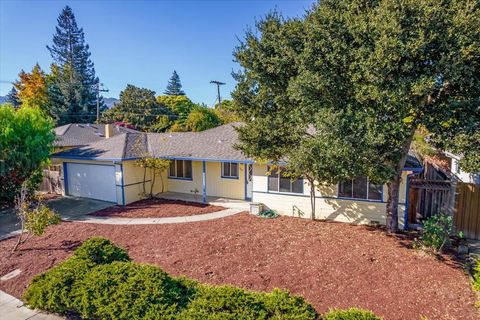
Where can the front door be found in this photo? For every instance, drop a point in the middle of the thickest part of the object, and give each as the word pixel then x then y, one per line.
pixel 249 182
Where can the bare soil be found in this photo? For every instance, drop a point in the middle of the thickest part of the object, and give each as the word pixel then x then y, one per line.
pixel 158 208
pixel 332 265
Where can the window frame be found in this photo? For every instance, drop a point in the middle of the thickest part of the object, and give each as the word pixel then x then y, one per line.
pixel 184 170
pixel 360 199
pixel 230 176
pixel 279 177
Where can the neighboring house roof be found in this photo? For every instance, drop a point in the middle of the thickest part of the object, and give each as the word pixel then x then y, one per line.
pixel 81 134
pixel 215 144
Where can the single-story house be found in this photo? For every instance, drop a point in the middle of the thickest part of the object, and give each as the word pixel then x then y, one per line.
pixel 207 164
pixel 75 135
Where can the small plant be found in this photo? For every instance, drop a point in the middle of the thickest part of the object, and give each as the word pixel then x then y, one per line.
pixel 270 214
pixel 350 314
pixel 156 166
pixel 476 275
pixel 436 232
pixel 34 217
pixel 195 194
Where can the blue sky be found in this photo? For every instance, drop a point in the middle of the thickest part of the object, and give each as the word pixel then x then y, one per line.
pixel 139 42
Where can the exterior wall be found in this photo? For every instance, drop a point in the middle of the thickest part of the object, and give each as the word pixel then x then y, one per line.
pixel 462 175
pixel 129 180
pixel 133 181
pixel 225 187
pixel 118 174
pixel 216 185
pixel 327 206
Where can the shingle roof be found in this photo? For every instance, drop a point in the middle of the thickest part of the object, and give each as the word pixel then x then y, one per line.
pixel 81 134
pixel 216 144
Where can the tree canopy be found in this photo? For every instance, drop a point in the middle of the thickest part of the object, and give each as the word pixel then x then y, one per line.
pixel 72 83
pixel 138 107
pixel 377 70
pixel 174 86
pixel 32 88
pixel 26 139
pixel 12 97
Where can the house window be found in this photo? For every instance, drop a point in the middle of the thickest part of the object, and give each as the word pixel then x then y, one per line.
pixel 180 169
pixel 230 170
pixel 279 183
pixel 360 188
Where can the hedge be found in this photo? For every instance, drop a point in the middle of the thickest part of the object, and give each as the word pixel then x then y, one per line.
pixel 350 314
pixel 100 282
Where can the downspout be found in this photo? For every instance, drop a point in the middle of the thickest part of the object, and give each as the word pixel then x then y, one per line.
pixel 65 179
pixel 204 182
pixel 122 186
pixel 245 168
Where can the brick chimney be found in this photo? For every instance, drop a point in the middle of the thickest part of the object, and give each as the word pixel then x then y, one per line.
pixel 109 130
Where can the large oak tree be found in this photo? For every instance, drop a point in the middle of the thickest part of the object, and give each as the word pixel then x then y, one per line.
pixel 378 69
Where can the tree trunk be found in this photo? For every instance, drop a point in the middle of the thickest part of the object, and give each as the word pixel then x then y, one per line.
pixel 152 183
pixel 144 180
pixel 312 197
pixel 392 204
pixel 394 187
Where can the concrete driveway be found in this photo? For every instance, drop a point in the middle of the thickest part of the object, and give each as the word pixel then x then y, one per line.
pixel 67 207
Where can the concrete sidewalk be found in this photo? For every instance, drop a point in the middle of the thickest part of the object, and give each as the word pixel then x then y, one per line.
pixel 13 309
pixel 134 221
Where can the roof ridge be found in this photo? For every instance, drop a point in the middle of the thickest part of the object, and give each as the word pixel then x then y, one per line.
pixel 124 147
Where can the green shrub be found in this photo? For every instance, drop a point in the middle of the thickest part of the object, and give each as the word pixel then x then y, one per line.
pixel 126 290
pixel 350 314
pixel 100 250
pixel 98 282
pixel 51 291
pixel 476 275
pixel 227 302
pixel 268 214
pixel 436 232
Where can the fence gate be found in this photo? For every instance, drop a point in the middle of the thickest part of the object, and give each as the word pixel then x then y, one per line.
pixel 427 198
pixel 467 210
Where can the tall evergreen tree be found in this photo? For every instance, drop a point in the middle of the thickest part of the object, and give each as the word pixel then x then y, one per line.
pixel 174 86
pixel 73 82
pixel 12 98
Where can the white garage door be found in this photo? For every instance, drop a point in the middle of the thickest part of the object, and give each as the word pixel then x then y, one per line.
pixel 91 181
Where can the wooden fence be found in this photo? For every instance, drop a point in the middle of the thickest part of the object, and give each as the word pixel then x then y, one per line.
pixel 51 181
pixel 467 210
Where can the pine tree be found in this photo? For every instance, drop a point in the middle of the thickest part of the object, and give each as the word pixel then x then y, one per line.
pixel 12 98
pixel 72 88
pixel 174 86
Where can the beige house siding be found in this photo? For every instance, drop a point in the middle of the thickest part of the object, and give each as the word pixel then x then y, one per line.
pixel 328 205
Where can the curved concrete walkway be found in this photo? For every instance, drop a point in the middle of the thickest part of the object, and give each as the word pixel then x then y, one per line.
pixel 136 221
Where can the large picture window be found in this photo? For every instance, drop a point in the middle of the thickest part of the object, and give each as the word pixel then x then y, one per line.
pixel 360 188
pixel 180 169
pixel 279 183
pixel 230 170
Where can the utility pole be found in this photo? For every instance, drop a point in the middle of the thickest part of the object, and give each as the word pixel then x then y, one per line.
pixel 218 83
pixel 98 100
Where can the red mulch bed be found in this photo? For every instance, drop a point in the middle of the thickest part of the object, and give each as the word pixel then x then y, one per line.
pixel 157 208
pixel 330 264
